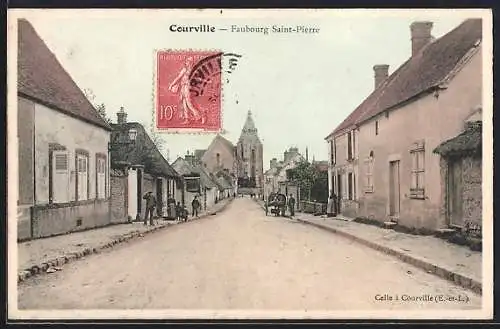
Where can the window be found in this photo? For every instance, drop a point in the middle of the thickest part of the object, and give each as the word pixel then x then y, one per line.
pixel 82 176
pixel 100 176
pixel 332 152
pixel 369 175
pixel 417 171
pixel 59 177
pixel 376 127
pixel 350 145
pixel 350 182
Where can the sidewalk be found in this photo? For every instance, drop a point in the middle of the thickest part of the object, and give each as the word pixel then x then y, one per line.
pixel 48 254
pixel 434 255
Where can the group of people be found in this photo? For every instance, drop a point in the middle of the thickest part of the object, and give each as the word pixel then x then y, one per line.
pixel 290 202
pixel 181 212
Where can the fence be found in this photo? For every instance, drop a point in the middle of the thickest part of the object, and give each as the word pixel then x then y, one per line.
pixel 313 207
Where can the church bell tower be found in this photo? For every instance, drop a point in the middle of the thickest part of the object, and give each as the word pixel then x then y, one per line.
pixel 250 156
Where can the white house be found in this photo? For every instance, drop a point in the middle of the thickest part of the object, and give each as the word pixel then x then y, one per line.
pixel 63 147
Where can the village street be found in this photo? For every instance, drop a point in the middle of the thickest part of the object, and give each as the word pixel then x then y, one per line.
pixel 239 259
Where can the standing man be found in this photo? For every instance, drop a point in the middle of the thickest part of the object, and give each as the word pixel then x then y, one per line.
pixel 332 205
pixel 196 206
pixel 150 207
pixel 291 205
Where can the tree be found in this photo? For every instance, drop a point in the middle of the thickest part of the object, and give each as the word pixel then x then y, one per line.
pixel 100 108
pixel 305 175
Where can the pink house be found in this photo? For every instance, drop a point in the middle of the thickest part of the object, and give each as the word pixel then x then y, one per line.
pixel 382 160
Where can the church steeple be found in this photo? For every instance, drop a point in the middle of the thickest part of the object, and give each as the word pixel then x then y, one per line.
pixel 249 131
pixel 249 126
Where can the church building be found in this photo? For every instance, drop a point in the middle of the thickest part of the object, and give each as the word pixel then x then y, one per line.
pixel 243 161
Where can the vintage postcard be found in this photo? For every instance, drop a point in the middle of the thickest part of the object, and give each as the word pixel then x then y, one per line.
pixel 244 164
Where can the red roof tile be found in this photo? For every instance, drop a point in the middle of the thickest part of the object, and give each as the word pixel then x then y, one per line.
pixel 42 78
pixel 419 74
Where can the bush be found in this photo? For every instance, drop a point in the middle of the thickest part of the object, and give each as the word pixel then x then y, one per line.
pixel 475 244
pixel 368 221
pixel 458 238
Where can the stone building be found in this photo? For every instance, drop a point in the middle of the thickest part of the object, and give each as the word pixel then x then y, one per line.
pixel 63 147
pixel 243 161
pixel 138 167
pixel 276 180
pixel 461 172
pixel 250 167
pixel 382 163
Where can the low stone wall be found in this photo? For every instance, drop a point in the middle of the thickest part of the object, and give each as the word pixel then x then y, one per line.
pixel 119 199
pixel 54 219
pixel 312 207
pixel 23 222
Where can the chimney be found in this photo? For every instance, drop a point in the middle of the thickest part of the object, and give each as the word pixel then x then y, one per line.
pixel 285 156
pixel 381 73
pixel 189 158
pixel 273 163
pixel 121 116
pixel 420 36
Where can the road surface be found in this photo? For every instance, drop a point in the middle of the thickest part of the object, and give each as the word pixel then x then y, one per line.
pixel 241 259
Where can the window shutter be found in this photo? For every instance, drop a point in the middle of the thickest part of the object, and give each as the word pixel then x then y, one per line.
pixel 101 178
pixel 60 176
pixel 82 177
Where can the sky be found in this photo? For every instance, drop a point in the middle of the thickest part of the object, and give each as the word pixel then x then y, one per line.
pixel 299 87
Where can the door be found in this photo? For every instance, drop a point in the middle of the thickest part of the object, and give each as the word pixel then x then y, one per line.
pixel 394 189
pixel 139 192
pixel 159 197
pixel 454 191
pixel 132 193
pixel 339 192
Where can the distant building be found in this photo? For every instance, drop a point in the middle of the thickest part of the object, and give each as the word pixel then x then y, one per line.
pixel 276 179
pixel 63 146
pixel 243 162
pixel 382 163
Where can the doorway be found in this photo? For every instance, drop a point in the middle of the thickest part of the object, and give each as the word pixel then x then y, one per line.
pixel 339 192
pixel 159 197
pixel 454 191
pixel 394 189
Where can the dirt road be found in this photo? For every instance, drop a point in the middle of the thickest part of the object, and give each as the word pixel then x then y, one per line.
pixel 242 259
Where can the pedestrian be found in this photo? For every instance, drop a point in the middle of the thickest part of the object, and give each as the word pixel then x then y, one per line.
pixel 331 207
pixel 196 206
pixel 171 211
pixel 178 211
pixel 291 205
pixel 150 207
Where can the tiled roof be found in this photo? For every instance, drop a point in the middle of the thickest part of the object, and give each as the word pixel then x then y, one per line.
pixel 421 73
pixel 468 142
pixel 143 152
pixel 226 142
pixel 43 79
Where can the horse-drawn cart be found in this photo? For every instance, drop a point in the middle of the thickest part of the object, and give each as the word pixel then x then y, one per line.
pixel 276 204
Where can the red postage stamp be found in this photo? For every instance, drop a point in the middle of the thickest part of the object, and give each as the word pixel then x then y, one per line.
pixel 188 91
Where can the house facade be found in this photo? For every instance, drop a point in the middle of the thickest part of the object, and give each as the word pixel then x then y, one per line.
pixel 243 161
pixel 382 163
pixel 139 167
pixel 198 182
pixel 63 176
pixel 276 178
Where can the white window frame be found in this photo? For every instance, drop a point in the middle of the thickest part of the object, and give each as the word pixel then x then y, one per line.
pixel 101 175
pixel 82 173
pixel 60 177
pixel 417 185
pixel 368 175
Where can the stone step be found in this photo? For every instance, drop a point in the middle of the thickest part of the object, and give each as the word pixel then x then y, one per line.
pixel 389 224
